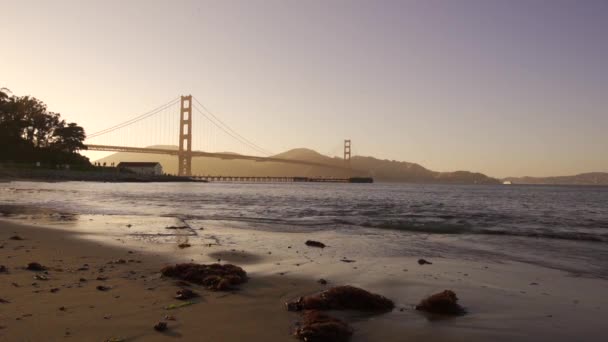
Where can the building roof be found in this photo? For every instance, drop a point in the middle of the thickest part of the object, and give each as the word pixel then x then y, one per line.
pixel 138 164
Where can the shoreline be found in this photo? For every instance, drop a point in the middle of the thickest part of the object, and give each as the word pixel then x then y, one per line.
pixel 506 301
pixel 8 174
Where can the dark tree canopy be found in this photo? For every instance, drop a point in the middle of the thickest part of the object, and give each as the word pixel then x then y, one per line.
pixel 29 132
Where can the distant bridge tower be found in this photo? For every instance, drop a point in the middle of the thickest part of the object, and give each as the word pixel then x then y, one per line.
pixel 184 167
pixel 347 152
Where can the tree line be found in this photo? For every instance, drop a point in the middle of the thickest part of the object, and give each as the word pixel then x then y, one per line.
pixel 29 132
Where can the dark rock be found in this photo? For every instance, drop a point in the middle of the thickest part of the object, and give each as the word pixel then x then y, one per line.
pixel 16 238
pixel 313 243
pixel 184 245
pixel 185 294
pixel 177 227
pixel 102 288
pixel 424 262
pixel 161 326
pixel 214 276
pixel 53 290
pixel 445 303
pixel 347 260
pixel 3 269
pixel 343 298
pixel 319 327
pixel 322 281
pixel 34 266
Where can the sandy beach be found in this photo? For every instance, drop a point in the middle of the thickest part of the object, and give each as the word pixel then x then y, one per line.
pixel 504 301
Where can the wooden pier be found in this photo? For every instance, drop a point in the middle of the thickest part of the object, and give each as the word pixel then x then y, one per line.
pixel 283 179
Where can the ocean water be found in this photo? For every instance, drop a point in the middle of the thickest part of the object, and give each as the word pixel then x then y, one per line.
pixel 561 227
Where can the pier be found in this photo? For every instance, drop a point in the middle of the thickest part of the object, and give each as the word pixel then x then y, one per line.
pixel 269 179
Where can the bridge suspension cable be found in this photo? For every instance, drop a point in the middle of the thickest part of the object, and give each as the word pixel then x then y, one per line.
pixel 227 129
pixel 135 119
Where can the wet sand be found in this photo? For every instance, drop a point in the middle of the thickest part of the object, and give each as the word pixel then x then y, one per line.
pixel 505 301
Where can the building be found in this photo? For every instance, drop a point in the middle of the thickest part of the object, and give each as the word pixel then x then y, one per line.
pixel 142 168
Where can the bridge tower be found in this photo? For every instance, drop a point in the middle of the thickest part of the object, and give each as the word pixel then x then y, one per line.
pixel 347 152
pixel 184 167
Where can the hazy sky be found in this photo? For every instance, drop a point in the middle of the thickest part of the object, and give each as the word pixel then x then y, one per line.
pixel 507 88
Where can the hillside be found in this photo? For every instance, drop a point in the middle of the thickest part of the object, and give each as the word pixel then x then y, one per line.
pixel 591 178
pixel 381 170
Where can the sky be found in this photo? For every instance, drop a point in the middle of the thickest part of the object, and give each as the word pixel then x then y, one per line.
pixel 507 88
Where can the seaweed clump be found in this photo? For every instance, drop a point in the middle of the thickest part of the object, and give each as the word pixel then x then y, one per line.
pixel 443 303
pixel 319 327
pixel 216 277
pixel 343 298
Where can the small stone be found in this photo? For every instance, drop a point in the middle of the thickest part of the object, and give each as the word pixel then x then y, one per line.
pixel 312 243
pixel 185 294
pixel 41 277
pixel 160 326
pixel 102 288
pixel 424 262
pixel 322 281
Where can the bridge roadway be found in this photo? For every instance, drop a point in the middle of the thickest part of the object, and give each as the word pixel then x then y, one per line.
pixel 229 156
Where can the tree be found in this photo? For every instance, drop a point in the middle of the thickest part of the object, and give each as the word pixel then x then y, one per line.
pixel 69 138
pixel 29 132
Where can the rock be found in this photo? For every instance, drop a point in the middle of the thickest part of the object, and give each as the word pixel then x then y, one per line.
pixel 3 269
pixel 445 303
pixel 322 281
pixel 54 290
pixel 160 326
pixel 318 327
pixel 34 266
pixel 177 227
pixel 102 288
pixel 312 243
pixel 62 308
pixel 185 294
pixel 343 298
pixel 184 245
pixel 347 260
pixel 214 276
pixel 424 262
pixel 16 238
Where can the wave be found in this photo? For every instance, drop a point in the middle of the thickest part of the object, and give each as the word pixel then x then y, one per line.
pixel 464 228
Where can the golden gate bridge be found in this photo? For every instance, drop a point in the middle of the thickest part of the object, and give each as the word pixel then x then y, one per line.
pixel 158 127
